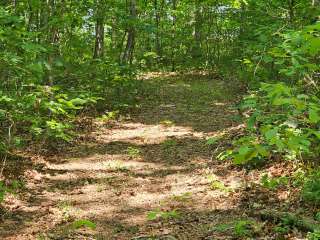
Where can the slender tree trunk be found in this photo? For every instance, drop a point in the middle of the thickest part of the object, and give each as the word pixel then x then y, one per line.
pixel 14 3
pixel 158 19
pixel 196 48
pixel 99 31
pixel 174 19
pixel 127 56
pixel 53 38
pixel 30 19
pixel 291 10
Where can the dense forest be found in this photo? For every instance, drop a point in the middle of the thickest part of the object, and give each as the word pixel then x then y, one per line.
pixel 160 119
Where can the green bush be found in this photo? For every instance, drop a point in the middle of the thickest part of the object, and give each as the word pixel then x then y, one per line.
pixel 311 189
pixel 282 121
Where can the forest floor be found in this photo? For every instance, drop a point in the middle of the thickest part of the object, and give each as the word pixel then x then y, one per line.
pixel 150 175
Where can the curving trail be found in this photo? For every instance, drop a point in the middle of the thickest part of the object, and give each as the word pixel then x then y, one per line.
pixel 155 162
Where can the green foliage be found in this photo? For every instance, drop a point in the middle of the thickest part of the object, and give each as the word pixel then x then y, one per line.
pixel 44 112
pixel 311 189
pixel 12 188
pixel 273 183
pixel 109 116
pixel 83 223
pixel 240 228
pixel 47 83
pixel 281 229
pixel 133 152
pixel 185 197
pixel 282 121
pixel 169 144
pixel 215 184
pixel 314 235
pixel 294 55
pixel 167 123
pixel 243 228
pixel 152 215
pixel 212 141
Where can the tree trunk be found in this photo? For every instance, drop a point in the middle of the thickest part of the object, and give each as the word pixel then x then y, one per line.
pixel 14 2
pixel 291 10
pixel 158 19
pixel 196 48
pixel 127 56
pixel 99 31
pixel 174 19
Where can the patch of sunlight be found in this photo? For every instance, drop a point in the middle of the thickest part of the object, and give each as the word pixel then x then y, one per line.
pixel 151 75
pixel 216 184
pixel 142 198
pixel 99 208
pixel 219 104
pixel 133 152
pixel 167 123
pixel 226 131
pixel 67 211
pixel 92 163
pixel 115 165
pixel 141 134
pixel 180 84
pixel 184 197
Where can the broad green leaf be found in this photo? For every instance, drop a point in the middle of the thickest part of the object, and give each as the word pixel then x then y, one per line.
pixel 84 223
pixel 152 215
pixel 212 141
pixel 314 116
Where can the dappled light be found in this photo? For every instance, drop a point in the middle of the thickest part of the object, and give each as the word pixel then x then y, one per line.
pixel 159 120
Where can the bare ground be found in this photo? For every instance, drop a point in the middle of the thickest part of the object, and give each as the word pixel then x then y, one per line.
pixel 154 162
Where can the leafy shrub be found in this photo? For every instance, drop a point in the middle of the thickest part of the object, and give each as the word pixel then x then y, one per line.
pixel 84 223
pixel 240 228
pixel 133 152
pixel 314 235
pixel 152 215
pixel 43 112
pixel 283 121
pixel 311 189
pixel 4 189
pixel 273 183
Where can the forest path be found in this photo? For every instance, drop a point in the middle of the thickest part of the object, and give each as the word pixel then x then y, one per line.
pixel 155 163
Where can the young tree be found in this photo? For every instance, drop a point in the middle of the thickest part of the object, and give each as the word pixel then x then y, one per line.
pixel 99 29
pixel 127 56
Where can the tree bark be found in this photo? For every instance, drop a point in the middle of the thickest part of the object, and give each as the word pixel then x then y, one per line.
pixel 196 48
pixel 291 10
pixel 127 56
pixel 99 31
pixel 158 19
pixel 174 19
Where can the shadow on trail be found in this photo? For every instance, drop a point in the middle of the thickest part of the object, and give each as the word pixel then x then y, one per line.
pixel 122 172
pixel 194 101
pixel 172 151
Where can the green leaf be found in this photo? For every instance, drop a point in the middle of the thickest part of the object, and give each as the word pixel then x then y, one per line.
pixel 78 101
pixel 314 117
pixel 152 215
pixel 314 46
pixel 316 133
pixel 271 134
pixel 83 223
pixel 262 150
pixel 212 141
pixel 243 155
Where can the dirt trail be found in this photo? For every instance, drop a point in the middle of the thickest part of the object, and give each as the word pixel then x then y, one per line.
pixel 154 163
